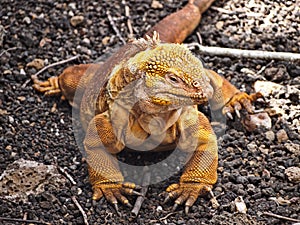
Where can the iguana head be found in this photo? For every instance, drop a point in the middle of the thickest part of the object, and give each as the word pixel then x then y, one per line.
pixel 170 76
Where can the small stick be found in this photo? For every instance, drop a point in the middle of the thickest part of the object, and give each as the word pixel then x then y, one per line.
pixel 254 54
pixel 280 217
pixel 113 25
pixel 23 221
pixel 225 11
pixel 62 170
pixel 81 210
pixel 140 199
pixel 56 64
pixel 127 14
pixel 7 50
pixel 163 218
pixel 199 38
pixel 265 67
pixel 24 217
pixel 167 216
pixel 213 200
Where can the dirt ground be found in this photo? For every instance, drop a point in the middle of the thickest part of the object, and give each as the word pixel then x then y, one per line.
pixel 252 165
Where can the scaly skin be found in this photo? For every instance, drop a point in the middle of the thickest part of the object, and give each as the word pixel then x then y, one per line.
pixel 148 88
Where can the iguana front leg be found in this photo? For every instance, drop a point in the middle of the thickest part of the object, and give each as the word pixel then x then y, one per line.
pixel 201 170
pixel 228 97
pixel 72 80
pixel 101 145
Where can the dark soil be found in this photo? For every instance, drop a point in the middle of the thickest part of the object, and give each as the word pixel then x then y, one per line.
pixel 34 127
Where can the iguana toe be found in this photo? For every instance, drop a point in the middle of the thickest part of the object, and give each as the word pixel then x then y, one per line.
pixel 186 193
pixel 48 87
pixel 240 101
pixel 114 192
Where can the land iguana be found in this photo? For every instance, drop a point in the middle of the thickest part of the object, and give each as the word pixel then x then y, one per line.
pixel 148 89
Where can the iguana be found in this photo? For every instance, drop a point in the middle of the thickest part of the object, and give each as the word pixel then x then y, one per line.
pixel 147 89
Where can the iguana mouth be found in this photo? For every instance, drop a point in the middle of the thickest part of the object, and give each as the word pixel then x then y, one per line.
pixel 179 99
pixel 193 96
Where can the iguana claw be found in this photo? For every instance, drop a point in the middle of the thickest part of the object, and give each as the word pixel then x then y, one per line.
pixel 238 102
pixel 186 193
pixel 114 193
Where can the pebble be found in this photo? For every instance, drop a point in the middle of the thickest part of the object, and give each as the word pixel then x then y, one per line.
pixel 105 40
pixel 76 20
pixel 263 149
pixel 11 119
pixel 277 73
pixel 70 13
pixel 270 135
pixel 293 174
pixel 7 72
pixel 241 180
pixel 293 147
pixel 45 205
pixel 266 87
pixel 25 122
pixel 254 121
pixel 36 63
pixel 27 20
pixel 252 146
pixel 86 41
pixel 159 208
pixel 8 148
pixel 28 178
pixel 72 5
pixel 83 50
pixel 21 98
pixel 281 136
pixel 22 72
pixel 156 5
pixel 240 205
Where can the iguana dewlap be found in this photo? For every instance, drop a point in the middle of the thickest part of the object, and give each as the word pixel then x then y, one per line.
pixel 148 89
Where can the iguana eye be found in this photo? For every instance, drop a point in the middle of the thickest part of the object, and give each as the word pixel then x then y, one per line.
pixel 173 79
pixel 196 84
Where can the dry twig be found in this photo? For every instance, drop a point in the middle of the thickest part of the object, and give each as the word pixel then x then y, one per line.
pixel 167 216
pixel 55 64
pixel 140 199
pixel 81 210
pixel 254 54
pixel 199 38
pixel 163 218
pixel 24 217
pixel 265 67
pixel 127 14
pixel 23 221
pixel 7 50
pixel 224 11
pixel 280 217
pixel 113 25
pixel 62 170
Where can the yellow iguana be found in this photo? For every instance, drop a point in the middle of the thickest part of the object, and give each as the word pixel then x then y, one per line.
pixel 166 82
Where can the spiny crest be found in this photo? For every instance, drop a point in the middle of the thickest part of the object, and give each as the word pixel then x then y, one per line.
pixel 149 42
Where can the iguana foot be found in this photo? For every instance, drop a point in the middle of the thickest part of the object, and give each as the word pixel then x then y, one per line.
pixel 239 101
pixel 115 192
pixel 48 87
pixel 186 193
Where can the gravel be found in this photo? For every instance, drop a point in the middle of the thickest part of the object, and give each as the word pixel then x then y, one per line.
pixel 254 165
